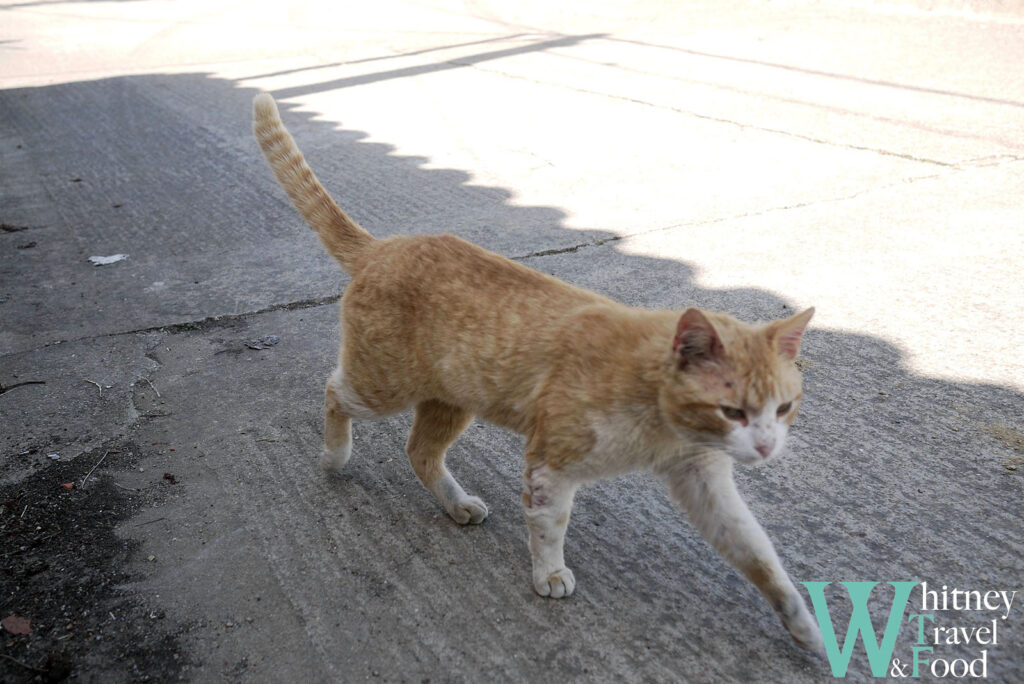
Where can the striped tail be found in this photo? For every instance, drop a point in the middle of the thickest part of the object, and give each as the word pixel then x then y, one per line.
pixel 344 239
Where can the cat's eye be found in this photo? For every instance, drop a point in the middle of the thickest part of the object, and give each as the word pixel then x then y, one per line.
pixel 784 409
pixel 733 413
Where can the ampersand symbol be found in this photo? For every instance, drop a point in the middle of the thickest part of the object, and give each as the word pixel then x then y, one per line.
pixel 896 670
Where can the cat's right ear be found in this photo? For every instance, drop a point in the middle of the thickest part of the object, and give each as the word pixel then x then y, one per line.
pixel 787 333
pixel 696 339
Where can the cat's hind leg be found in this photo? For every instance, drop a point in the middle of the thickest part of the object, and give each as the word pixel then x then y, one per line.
pixel 434 428
pixel 337 429
pixel 341 405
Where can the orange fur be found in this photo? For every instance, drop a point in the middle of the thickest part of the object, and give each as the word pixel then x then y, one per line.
pixel 596 387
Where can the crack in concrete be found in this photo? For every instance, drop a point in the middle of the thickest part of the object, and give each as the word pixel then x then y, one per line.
pixel 721 219
pixel 206 323
pixel 570 249
pixel 990 161
pixel 4 389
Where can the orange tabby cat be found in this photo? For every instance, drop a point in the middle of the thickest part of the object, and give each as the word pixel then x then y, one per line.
pixel 596 387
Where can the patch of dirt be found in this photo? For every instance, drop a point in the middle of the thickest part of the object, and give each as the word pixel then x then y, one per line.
pixel 1010 438
pixel 63 567
pixel 803 364
pixel 1006 435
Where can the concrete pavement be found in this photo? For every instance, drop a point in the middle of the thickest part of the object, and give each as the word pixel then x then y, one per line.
pixel 864 158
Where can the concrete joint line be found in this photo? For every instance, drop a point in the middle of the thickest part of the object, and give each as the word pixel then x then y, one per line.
pixel 708 117
pixel 734 217
pixel 197 324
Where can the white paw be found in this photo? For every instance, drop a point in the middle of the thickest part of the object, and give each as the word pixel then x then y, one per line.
pixel 804 631
pixel 468 510
pixel 557 584
pixel 333 460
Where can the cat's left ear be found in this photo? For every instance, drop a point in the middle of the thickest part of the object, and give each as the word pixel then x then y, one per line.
pixel 787 333
pixel 696 339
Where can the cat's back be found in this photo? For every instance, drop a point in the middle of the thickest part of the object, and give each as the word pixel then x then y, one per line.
pixel 447 272
pixel 436 317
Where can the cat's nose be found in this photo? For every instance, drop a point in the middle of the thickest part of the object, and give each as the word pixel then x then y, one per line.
pixel 763 450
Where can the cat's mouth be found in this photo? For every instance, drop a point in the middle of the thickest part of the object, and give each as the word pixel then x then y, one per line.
pixel 753 458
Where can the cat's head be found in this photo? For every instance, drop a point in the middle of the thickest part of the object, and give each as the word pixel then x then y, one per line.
pixel 733 385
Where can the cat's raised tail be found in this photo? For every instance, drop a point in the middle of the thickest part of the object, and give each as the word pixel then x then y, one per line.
pixel 344 239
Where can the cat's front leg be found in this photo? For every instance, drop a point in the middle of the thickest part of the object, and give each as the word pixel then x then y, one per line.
pixel 706 491
pixel 547 501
